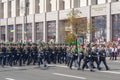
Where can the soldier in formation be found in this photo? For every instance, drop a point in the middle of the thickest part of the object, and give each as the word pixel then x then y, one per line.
pixel 32 54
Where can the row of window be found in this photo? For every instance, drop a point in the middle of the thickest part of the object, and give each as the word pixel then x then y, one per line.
pixel 51 5
pixel 51 31
pixel 99 24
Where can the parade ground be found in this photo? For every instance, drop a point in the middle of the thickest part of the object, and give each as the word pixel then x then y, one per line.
pixel 59 72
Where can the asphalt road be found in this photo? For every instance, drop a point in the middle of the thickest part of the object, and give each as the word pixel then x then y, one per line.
pixel 59 72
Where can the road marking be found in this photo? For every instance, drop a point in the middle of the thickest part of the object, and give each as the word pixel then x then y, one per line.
pixel 61 66
pixel 9 79
pixel 15 67
pixel 113 72
pixel 116 61
pixel 70 76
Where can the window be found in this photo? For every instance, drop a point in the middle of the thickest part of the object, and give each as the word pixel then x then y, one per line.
pixel 9 8
pixel 116 26
pixel 51 30
pixel 96 1
pixel 83 3
pixel 28 31
pixel 99 24
pixel 50 7
pixel 27 6
pixel 18 8
pixel 37 6
pixel 19 32
pixel 63 4
pixel 2 32
pixel 39 31
pixel 2 10
pixel 10 33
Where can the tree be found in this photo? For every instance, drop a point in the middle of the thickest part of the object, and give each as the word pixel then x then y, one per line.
pixel 70 38
pixel 72 26
pixel 77 26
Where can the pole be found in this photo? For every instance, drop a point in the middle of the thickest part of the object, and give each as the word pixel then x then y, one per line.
pixel 76 42
pixel 26 7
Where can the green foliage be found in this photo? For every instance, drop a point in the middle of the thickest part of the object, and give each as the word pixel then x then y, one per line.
pixel 79 26
pixel 71 38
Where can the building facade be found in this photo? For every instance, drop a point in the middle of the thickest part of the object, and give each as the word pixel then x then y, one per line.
pixel 43 19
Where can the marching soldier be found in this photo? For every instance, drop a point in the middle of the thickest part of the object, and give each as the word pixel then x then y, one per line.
pixel 34 53
pixel 26 53
pixel 49 52
pixel 0 53
pixel 68 56
pixel 64 53
pixel 95 52
pixel 80 55
pixel 40 55
pixel 20 54
pixel 53 54
pixel 59 54
pixel 102 54
pixel 9 55
pixel 74 56
pixel 88 59
pixel 3 55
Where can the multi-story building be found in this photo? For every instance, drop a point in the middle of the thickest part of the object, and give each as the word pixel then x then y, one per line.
pixel 43 19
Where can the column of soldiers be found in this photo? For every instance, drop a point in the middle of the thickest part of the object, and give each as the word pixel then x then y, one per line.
pixel 27 54
pixel 32 54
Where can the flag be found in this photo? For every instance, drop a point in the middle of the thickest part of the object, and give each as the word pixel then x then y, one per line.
pixel 11 30
pixel 25 32
pixel 78 41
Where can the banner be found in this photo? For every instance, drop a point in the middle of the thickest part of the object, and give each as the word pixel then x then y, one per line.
pixel 80 41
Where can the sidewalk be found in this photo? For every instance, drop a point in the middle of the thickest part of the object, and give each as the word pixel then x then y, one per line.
pixel 118 59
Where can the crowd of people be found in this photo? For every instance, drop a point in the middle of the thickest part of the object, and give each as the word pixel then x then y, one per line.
pixel 84 56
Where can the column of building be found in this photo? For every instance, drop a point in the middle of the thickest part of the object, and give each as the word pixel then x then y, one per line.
pixel 67 4
pixel 92 2
pixel 89 24
pixel 0 15
pixel 57 21
pixel 42 6
pixel 32 12
pixel 22 14
pixel 112 0
pixel 14 33
pixel 13 14
pixel 45 6
pixel 109 22
pixel 101 1
pixel 1 9
pixel 33 29
pixel 31 6
pixel 83 3
pixel 0 33
pixel 6 17
pixel 22 7
pixel 59 4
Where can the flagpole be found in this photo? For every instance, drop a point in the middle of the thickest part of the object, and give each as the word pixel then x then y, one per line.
pixel 76 41
pixel 26 7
